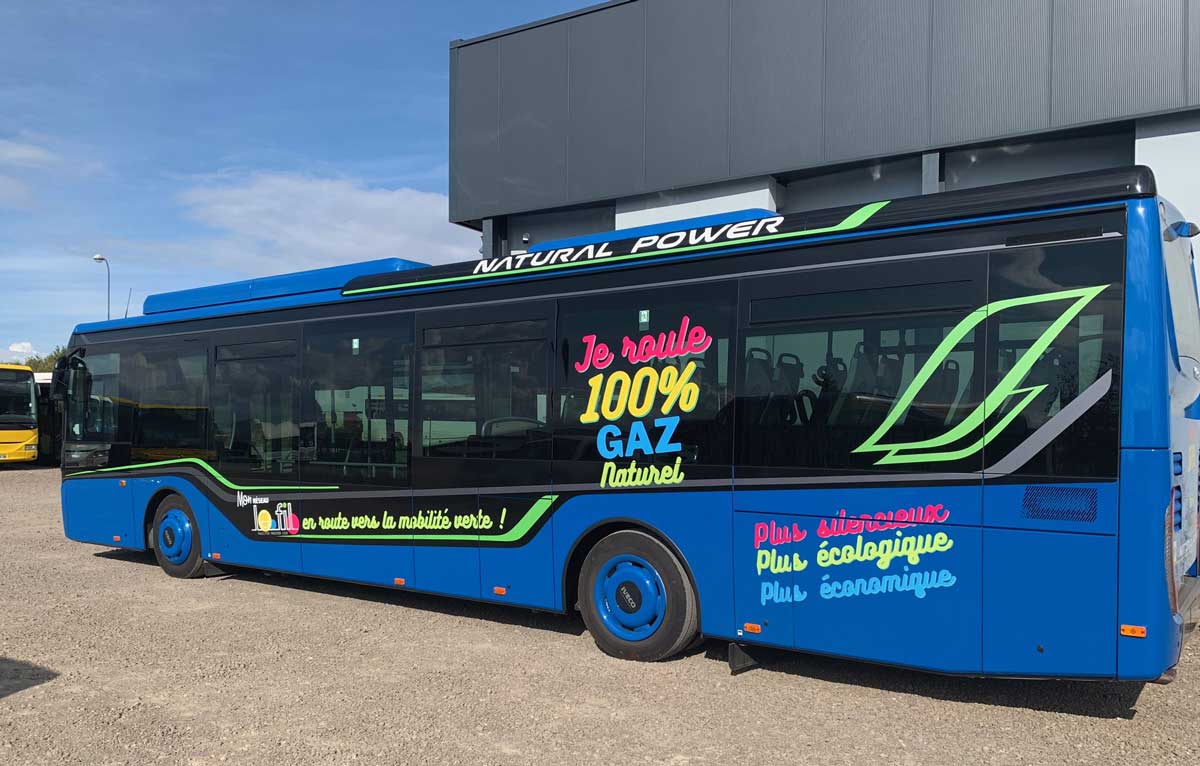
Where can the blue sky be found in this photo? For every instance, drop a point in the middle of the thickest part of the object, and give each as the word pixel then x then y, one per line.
pixel 193 143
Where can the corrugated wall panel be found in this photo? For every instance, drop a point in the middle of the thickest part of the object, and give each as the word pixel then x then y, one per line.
pixel 777 73
pixel 670 93
pixel 533 118
pixel 1193 49
pixel 606 145
pixel 474 131
pixel 687 92
pixel 990 68
pixel 876 77
pixel 1114 58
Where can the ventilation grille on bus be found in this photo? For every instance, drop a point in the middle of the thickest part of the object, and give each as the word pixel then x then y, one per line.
pixel 1059 503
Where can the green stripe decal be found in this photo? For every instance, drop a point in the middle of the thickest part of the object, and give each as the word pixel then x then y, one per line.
pixel 196 461
pixel 531 517
pixel 852 221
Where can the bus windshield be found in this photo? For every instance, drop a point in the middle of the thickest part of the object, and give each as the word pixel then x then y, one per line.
pixel 18 400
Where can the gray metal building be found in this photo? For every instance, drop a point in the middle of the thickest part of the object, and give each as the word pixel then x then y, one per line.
pixel 638 111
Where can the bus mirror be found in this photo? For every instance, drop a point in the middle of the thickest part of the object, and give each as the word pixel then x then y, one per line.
pixel 1184 229
pixel 58 379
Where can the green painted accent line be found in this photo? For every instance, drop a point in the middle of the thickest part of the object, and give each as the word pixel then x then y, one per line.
pixel 852 221
pixel 196 461
pixel 1008 387
pixel 531 517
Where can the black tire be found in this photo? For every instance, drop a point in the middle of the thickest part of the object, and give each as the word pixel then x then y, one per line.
pixel 679 622
pixel 182 566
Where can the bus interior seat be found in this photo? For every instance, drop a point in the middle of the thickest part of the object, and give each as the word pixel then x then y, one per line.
pixel 758 372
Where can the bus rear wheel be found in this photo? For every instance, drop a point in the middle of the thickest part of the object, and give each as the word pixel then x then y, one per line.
pixel 175 538
pixel 636 598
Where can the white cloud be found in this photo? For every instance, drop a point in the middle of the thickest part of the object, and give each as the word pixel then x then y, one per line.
pixel 15 194
pixel 21 347
pixel 25 155
pixel 273 222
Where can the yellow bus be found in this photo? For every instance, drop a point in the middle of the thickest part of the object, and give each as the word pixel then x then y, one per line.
pixel 18 414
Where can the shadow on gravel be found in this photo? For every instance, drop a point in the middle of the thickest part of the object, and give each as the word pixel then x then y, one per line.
pixel 508 615
pixel 17 676
pixel 137 557
pixel 1095 699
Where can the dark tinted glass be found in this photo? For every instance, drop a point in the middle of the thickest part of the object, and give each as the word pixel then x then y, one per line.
pixel 256 350
pixel 485 401
pixel 18 400
pixel 889 389
pixel 168 391
pixel 645 386
pixel 255 432
pixel 907 299
pixel 355 402
pixel 1056 328
pixel 493 332
pixel 96 410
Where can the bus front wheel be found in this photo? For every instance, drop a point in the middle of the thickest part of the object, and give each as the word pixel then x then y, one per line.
pixel 636 598
pixel 175 538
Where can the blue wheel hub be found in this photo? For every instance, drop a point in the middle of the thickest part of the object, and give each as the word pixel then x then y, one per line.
pixel 175 536
pixel 630 597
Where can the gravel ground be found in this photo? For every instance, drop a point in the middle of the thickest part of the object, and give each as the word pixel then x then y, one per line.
pixel 104 659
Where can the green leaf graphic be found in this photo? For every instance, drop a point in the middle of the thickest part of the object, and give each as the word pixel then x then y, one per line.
pixel 949 444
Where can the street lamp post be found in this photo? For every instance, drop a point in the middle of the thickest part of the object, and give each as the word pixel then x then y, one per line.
pixel 108 273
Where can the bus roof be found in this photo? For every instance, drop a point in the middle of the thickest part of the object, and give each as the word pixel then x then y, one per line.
pixel 710 236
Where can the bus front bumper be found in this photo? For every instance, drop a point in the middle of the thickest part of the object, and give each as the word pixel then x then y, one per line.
pixel 18 446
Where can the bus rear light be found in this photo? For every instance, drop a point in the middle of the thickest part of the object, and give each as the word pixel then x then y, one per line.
pixel 1133 631
pixel 500 590
pixel 752 627
pixel 399 581
pixel 1169 557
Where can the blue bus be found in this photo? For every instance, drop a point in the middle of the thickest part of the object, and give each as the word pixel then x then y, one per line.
pixel 956 432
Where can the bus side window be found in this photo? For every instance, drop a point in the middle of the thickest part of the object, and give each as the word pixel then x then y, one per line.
pixel 644 380
pixel 355 401
pixel 484 402
pixel 829 380
pixel 1082 353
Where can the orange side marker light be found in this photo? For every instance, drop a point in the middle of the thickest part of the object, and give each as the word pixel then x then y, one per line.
pixel 122 482
pixel 116 538
pixel 399 581
pixel 500 590
pixel 216 557
pixel 752 627
pixel 1133 631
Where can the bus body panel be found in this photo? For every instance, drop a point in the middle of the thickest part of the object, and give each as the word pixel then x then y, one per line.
pixel 451 570
pixel 99 511
pixel 1142 567
pixel 526 573
pixel 234 547
pixel 390 565
pixel 1156 436
pixel 810 577
pixel 1055 618
pixel 1089 508
pixel 1144 418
